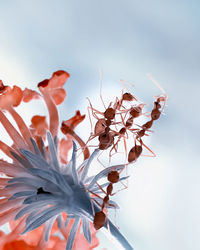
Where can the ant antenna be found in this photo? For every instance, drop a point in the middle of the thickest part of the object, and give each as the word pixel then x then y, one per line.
pixel 122 82
pixel 100 81
pixel 125 85
pixel 156 83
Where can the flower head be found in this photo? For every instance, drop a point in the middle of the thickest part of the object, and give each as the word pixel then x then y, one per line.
pixel 40 189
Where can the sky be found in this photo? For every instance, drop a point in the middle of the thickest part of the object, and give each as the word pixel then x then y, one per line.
pixel 126 39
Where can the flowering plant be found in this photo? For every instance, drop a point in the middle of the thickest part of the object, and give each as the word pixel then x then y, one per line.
pixel 42 193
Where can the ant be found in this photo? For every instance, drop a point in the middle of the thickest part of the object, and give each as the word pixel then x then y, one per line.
pixel 136 151
pixel 100 217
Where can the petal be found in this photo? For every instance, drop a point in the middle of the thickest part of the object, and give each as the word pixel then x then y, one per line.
pixel 11 97
pixel 72 122
pixel 39 124
pixel 18 245
pixel 57 80
pixel 58 95
pixel 29 95
pixel 13 133
pixel 63 148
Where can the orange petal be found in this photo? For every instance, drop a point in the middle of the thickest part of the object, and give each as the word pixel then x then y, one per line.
pixel 18 245
pixel 72 122
pixel 11 97
pixel 29 94
pixel 3 88
pixel 39 124
pixel 68 128
pixel 1 233
pixel 58 95
pixel 56 243
pixel 57 80
pixel 54 86
pixel 64 147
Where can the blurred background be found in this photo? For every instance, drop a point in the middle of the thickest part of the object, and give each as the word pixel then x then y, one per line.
pixel 127 39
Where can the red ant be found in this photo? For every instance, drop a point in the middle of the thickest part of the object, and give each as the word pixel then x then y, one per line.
pixel 136 151
pixel 100 217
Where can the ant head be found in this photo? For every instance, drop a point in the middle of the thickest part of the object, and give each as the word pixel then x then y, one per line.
pixel 161 98
pixel 128 97
pixel 113 177
pixel 122 131
pixel 157 105
pixel 109 113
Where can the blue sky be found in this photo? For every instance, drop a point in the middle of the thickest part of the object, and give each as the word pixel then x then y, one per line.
pixel 127 39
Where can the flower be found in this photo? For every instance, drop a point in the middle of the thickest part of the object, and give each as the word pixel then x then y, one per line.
pixel 40 189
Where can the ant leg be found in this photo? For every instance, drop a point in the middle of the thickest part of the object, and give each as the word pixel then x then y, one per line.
pixel 123 120
pixel 90 119
pixel 96 195
pixel 153 154
pixel 125 145
pixel 157 84
pixel 125 86
pixel 101 188
pixel 125 187
pixel 94 111
pixel 99 160
pixel 92 205
pixel 116 219
pixel 97 203
pixel 161 88
pixel 114 147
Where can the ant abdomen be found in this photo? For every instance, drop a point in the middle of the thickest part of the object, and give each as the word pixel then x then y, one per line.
pixel 147 125
pixel 100 126
pixel 99 220
pixel 113 177
pixel 134 153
